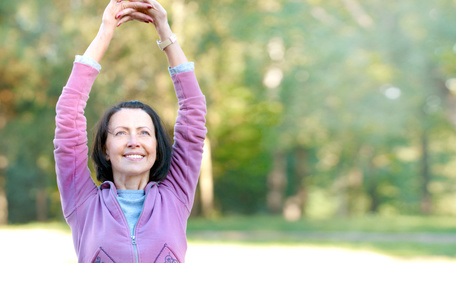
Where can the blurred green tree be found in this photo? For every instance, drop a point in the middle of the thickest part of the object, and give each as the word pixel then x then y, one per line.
pixel 348 105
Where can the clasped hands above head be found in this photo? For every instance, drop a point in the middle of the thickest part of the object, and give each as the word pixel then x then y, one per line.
pixel 148 11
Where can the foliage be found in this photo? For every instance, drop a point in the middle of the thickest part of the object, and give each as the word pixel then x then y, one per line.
pixel 365 89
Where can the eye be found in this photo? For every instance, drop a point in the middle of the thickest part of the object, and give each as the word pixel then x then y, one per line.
pixel 145 133
pixel 120 133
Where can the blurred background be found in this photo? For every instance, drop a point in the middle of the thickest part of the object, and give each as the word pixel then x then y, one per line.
pixel 329 121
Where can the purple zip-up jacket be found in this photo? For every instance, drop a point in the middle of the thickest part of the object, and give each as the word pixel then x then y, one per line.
pixel 99 227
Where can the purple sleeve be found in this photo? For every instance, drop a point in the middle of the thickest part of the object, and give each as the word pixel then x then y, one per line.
pixel 70 141
pixel 189 136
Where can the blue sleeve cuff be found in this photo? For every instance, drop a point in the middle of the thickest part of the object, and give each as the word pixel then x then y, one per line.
pixel 184 67
pixel 88 61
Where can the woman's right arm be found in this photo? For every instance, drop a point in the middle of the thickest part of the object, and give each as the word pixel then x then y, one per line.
pixel 70 141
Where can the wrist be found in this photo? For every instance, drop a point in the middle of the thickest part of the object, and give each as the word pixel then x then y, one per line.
pixel 164 31
pixel 164 44
pixel 100 44
pixel 105 32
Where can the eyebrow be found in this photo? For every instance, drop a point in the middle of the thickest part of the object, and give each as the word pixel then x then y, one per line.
pixel 127 128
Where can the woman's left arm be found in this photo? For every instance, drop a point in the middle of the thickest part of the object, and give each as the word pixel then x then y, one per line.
pixel 190 130
pixel 189 136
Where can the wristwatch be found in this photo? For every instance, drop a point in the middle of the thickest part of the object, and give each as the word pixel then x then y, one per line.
pixel 163 44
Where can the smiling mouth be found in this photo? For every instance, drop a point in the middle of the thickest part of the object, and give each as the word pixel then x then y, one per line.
pixel 134 157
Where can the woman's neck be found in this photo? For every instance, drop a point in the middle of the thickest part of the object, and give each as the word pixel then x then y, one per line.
pixel 132 183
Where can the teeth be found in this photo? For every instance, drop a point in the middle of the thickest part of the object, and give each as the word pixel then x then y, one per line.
pixel 134 156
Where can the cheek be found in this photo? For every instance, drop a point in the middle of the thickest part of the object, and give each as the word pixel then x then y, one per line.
pixel 109 148
pixel 154 148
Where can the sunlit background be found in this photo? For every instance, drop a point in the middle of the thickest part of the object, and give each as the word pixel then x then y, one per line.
pixel 331 124
pixel 316 108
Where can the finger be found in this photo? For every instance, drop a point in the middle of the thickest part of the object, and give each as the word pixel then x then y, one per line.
pixel 135 5
pixel 123 20
pixel 124 12
pixel 136 16
pixel 129 8
pixel 142 17
pixel 133 14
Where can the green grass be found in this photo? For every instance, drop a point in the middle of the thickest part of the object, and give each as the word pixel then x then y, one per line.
pixel 267 230
pixel 274 230
pixel 397 224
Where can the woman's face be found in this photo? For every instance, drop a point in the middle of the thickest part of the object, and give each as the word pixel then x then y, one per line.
pixel 131 144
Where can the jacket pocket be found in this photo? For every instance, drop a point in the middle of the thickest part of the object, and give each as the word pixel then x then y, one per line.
pixel 166 255
pixel 101 256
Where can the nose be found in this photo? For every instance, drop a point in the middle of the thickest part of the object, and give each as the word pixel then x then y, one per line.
pixel 133 141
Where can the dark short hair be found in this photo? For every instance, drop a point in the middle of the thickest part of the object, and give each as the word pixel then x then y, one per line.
pixel 103 167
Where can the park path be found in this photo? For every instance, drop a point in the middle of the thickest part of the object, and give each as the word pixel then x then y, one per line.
pixel 56 247
pixel 239 273
pixel 345 236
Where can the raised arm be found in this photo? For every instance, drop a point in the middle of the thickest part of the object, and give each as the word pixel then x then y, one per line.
pixel 190 129
pixel 70 141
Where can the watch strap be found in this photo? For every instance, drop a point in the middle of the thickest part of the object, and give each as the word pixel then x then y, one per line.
pixel 167 42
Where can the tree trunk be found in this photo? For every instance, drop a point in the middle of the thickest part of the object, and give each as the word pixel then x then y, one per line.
pixel 3 207
pixel 3 200
pixel 295 206
pixel 277 181
pixel 41 205
pixel 374 197
pixel 372 185
pixel 301 156
pixel 426 200
pixel 206 182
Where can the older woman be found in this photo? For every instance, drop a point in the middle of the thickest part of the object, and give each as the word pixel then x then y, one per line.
pixel 139 213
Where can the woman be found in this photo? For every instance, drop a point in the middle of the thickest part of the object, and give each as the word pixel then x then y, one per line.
pixel 139 213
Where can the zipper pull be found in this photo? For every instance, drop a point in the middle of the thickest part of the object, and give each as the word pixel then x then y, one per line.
pixel 135 248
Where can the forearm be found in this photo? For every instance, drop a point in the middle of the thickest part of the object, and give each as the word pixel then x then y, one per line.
pixel 100 44
pixel 175 54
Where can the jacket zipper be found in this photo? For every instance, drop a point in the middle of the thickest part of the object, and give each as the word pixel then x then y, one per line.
pixel 135 248
pixel 132 236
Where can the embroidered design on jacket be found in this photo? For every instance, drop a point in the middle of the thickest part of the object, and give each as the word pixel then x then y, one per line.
pixel 103 257
pixel 166 255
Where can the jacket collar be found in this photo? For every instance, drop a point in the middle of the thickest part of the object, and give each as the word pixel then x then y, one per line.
pixel 108 193
pixel 111 185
